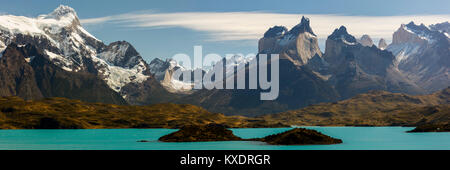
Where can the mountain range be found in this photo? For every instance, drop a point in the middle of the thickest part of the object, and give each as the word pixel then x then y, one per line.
pixel 64 43
pixel 52 55
pixel 348 67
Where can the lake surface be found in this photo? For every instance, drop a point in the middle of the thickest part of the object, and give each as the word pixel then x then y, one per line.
pixel 354 138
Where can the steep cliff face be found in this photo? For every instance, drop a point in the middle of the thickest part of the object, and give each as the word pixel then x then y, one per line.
pixel 297 45
pixel 423 54
pixel 17 77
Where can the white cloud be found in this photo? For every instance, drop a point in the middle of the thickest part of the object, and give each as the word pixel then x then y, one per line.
pixel 223 26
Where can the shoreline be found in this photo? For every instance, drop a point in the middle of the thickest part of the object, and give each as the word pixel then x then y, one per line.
pixel 232 128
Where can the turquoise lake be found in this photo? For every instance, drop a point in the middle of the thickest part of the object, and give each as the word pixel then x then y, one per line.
pixel 354 138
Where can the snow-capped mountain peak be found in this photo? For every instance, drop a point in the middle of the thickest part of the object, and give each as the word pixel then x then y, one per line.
pixel 443 27
pixel 422 54
pixel 122 54
pixel 62 12
pixel 411 38
pixel 68 45
pixel 417 34
pixel 53 23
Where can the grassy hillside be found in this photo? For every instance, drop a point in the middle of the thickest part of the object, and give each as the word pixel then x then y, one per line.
pixel 61 113
pixel 377 108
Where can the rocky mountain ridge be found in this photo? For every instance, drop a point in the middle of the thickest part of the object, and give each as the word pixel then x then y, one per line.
pixel 423 54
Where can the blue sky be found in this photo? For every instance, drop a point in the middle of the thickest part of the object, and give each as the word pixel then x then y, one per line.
pixel 164 28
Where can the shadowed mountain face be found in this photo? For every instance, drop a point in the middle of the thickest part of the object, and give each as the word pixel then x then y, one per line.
pixel 17 77
pixel 299 87
pixel 27 72
pixel 441 27
pixel 356 69
pixel 423 54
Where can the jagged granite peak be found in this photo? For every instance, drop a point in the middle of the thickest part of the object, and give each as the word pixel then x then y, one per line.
pixel 356 69
pixel 412 38
pixel 341 34
pixel 404 35
pixel 419 34
pixel 121 53
pixel 298 45
pixel 422 54
pixel 157 64
pixel 275 31
pixel 302 27
pixel 365 40
pixel 382 44
pixel 443 27
pixel 158 68
pixel 163 71
pixel 417 28
pixel 299 85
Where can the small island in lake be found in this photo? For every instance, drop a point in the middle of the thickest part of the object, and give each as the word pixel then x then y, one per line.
pixel 196 133
pixel 432 128
pixel 300 136
pixel 216 132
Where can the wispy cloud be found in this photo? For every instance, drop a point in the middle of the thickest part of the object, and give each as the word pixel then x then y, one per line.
pixel 223 26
